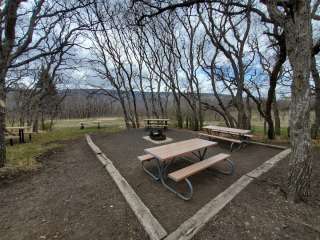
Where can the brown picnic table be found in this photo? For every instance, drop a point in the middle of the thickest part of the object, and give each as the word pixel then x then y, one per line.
pixel 20 131
pixel 156 122
pixel 240 134
pixel 165 155
pixel 232 131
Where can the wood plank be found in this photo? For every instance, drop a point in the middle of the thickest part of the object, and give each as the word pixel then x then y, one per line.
pixel 157 125
pixel 248 135
pixel 177 149
pixel 191 226
pixel 145 157
pixel 11 137
pixel 16 128
pixel 156 119
pixel 151 225
pixel 266 166
pixel 197 167
pixel 266 144
pixel 221 138
pixel 227 130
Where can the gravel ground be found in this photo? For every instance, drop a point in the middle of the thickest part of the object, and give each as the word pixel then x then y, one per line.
pixel 72 197
pixel 262 212
pixel 124 147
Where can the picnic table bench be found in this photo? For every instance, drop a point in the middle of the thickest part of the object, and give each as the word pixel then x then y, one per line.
pixel 19 132
pixel 156 123
pixel 238 136
pixel 83 124
pixel 11 138
pixel 165 155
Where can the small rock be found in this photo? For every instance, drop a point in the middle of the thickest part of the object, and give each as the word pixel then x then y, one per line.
pixel 247 224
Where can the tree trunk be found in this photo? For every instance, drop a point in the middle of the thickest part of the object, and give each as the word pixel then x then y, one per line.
pixel 316 79
pixel 124 110
pixel 178 112
pixel 242 121
pixel 35 127
pixel 277 121
pixel 43 125
pixel 273 78
pixel 298 32
pixel 249 112
pixel 2 119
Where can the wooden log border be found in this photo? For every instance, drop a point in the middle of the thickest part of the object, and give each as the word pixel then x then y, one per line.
pixel 194 224
pixel 190 227
pixel 151 225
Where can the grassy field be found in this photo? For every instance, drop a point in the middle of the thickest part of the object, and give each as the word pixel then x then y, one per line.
pixel 22 157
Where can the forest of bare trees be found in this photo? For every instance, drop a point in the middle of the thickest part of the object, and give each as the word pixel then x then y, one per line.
pixel 153 58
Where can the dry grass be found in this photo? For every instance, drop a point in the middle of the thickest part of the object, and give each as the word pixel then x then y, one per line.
pixel 23 157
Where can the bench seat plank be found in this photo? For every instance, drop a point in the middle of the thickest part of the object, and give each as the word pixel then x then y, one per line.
pixel 157 125
pixel 145 157
pixel 11 137
pixel 248 135
pixel 234 131
pixel 221 138
pixel 197 167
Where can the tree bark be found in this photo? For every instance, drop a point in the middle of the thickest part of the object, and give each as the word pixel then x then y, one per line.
pixel 316 79
pixel 298 32
pixel 2 119
pixel 277 121
pixel 273 83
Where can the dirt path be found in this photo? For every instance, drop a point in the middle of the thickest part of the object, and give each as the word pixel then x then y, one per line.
pixel 72 197
pixel 262 212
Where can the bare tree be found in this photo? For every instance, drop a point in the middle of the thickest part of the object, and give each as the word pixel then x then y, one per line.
pixel 294 17
pixel 18 43
pixel 222 34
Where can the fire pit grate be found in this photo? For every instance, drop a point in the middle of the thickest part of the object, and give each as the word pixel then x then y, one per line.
pixel 157 135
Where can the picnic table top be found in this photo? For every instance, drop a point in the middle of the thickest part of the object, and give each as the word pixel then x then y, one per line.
pixel 157 119
pixel 228 130
pixel 20 127
pixel 169 151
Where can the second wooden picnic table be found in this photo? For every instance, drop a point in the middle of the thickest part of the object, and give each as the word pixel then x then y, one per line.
pixel 20 131
pixel 232 131
pixel 241 135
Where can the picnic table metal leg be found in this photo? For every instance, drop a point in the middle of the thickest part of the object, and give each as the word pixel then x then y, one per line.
pixel 200 155
pixel 231 166
pixel 162 173
pixel 231 147
pixel 157 178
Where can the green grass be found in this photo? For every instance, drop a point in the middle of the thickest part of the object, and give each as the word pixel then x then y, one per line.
pixel 259 130
pixel 22 157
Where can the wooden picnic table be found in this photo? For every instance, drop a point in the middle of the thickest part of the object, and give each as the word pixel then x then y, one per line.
pixel 172 150
pixel 156 119
pixel 20 131
pixel 233 131
pixel 241 134
pixel 156 122
pixel 97 122
pixel 167 154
